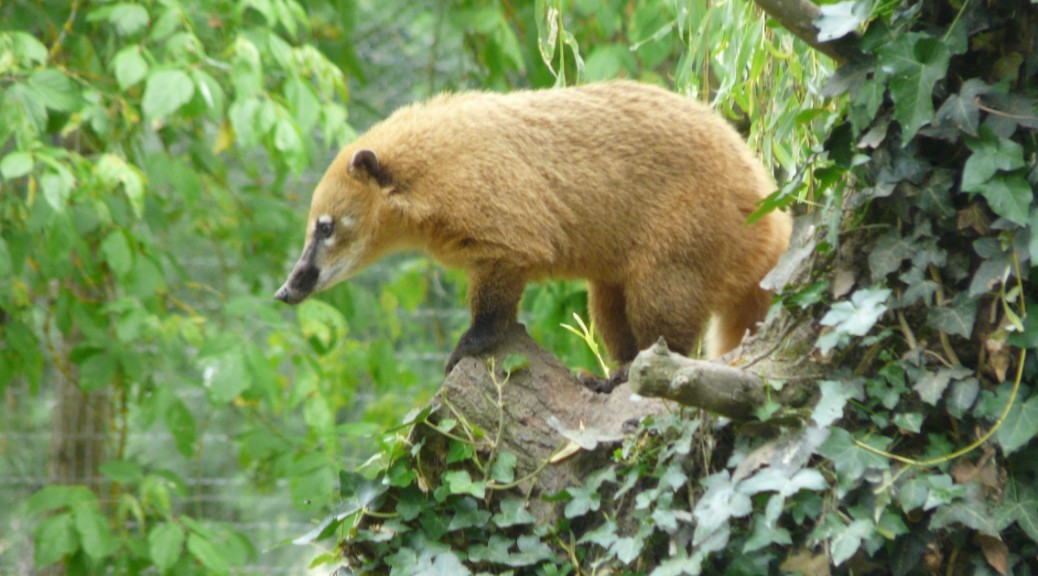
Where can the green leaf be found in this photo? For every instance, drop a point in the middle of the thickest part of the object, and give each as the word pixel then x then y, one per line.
pixel 829 409
pixel 931 385
pixel 208 553
pixel 98 370
pixel 165 543
pixel 165 92
pixel 915 62
pixel 116 251
pixel 112 170
pixel 128 18
pixel 122 471
pixel 840 19
pixel 16 165
pixel 94 533
pixel 130 66
pixel 956 319
pixel 459 482
pixel 182 425
pixel 55 90
pixel 850 460
pixel 1020 505
pixel 467 514
pixel 889 252
pixel 513 513
pixel 844 543
pixel 1020 426
pixel 53 539
pixel 857 316
pixel 503 471
pixel 991 154
pixel 27 47
pixel 225 376
pixel 1009 196
pixel 55 497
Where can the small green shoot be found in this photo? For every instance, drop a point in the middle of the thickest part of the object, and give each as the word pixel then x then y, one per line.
pixel 588 336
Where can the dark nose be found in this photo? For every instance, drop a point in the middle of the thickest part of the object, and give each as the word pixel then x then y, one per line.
pixel 282 294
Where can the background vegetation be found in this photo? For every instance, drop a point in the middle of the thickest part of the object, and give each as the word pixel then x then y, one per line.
pixel 161 413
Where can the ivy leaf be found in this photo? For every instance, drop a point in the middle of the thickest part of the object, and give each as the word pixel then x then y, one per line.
pixel 720 502
pixel 840 19
pixel 890 250
pixel 956 319
pixel 165 542
pixel 627 548
pixel 932 385
pixel 467 514
pixel 850 460
pixel 915 62
pixel 971 513
pixel 829 409
pixel 844 543
pixel 960 110
pixel 513 513
pixel 962 396
pixel 1020 425
pixel 1020 505
pixel 856 317
pixel 1009 196
pixel 459 482
pixel 503 470
pixel 165 92
pixel 990 155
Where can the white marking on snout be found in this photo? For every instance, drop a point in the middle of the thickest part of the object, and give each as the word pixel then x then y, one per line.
pixel 349 221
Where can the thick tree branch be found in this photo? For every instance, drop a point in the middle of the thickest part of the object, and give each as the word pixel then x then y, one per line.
pixel 798 16
pixel 658 372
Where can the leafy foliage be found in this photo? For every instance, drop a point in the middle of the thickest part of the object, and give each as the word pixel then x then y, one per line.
pixel 919 451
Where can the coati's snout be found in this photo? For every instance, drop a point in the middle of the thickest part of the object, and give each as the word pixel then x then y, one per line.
pixel 306 274
pixel 303 278
pixel 300 284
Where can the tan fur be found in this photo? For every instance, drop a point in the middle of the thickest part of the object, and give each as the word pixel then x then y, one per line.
pixel 638 190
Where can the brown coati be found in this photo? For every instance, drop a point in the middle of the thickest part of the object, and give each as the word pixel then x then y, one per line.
pixel 638 190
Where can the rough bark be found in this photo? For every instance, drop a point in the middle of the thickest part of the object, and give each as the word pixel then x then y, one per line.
pixel 538 412
pixel 731 392
pixel 558 428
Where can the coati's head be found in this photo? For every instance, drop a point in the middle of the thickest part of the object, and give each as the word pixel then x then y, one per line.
pixel 346 229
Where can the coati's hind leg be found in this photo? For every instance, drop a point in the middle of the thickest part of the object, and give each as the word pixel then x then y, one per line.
pixel 735 318
pixel 494 294
pixel 608 309
pixel 667 302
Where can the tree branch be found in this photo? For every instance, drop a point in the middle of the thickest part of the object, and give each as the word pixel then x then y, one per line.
pixel 798 16
pixel 658 372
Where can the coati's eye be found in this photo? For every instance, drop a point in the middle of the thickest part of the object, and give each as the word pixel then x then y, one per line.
pixel 324 227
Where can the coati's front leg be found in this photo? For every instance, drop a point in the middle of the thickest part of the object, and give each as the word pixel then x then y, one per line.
pixel 494 294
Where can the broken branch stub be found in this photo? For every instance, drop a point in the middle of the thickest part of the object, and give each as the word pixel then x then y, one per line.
pixel 730 392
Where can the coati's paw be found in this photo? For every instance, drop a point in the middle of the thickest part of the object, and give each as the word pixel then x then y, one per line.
pixel 603 385
pixel 472 343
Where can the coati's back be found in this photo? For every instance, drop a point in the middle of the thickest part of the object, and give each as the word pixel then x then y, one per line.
pixel 557 175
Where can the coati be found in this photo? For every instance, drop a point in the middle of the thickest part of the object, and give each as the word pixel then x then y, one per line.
pixel 638 190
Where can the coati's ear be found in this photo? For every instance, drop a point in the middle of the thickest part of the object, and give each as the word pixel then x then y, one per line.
pixel 365 164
